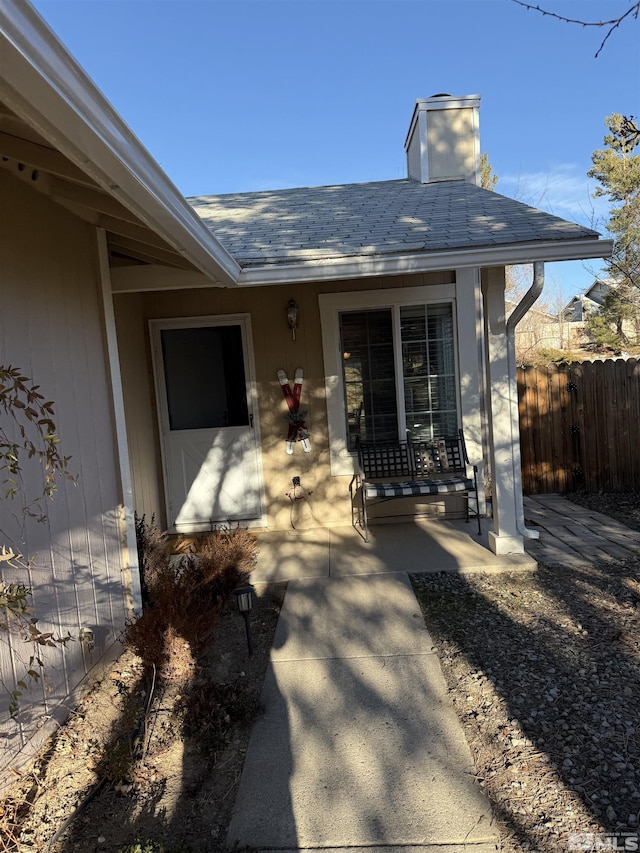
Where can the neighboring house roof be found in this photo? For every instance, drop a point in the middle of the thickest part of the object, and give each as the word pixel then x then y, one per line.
pixel 598 291
pixel 380 218
pixel 539 314
pixel 590 299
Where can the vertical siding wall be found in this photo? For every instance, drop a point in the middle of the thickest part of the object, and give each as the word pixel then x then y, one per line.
pixel 51 327
pixel 273 349
pixel 580 426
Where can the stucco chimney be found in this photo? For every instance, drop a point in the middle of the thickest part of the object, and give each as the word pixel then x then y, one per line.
pixel 443 142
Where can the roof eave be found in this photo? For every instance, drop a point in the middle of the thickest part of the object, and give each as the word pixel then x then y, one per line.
pixel 42 83
pixel 341 268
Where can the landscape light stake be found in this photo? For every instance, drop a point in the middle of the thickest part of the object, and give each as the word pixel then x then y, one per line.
pixel 244 603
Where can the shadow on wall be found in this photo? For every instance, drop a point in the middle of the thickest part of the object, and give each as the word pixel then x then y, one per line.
pixel 78 590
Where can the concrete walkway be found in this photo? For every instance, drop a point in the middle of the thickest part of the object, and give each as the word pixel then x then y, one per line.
pixel 359 746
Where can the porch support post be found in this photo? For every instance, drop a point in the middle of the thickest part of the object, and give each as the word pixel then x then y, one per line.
pixel 505 537
pixel 127 515
pixel 471 360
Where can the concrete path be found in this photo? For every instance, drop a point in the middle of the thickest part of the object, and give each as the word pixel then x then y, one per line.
pixel 359 745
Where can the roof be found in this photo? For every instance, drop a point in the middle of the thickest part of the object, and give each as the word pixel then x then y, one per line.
pixel 593 294
pixel 382 218
pixel 540 314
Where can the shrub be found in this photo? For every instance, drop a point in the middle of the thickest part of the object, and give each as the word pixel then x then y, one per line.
pixel 548 355
pixel 183 594
pixel 208 712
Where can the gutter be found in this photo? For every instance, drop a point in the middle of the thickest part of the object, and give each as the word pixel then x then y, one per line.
pixel 331 269
pixel 514 318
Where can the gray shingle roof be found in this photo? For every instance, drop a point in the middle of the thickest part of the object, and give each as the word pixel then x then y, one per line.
pixel 379 218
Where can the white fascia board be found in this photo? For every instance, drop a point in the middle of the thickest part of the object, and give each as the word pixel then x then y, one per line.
pixel 44 85
pixel 496 256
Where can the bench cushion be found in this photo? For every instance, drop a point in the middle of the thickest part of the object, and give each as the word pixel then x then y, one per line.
pixel 408 488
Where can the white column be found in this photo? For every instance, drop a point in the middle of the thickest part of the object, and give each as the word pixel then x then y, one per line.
pixel 505 537
pixel 470 363
pixel 127 518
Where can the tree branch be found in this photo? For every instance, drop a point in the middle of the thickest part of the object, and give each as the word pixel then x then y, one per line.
pixel 629 130
pixel 613 23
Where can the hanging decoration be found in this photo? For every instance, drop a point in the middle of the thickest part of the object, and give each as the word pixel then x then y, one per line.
pixel 298 493
pixel 297 427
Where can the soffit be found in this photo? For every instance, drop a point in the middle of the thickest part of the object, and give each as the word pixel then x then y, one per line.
pixel 32 159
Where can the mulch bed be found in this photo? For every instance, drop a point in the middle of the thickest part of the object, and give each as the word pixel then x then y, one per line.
pixel 145 768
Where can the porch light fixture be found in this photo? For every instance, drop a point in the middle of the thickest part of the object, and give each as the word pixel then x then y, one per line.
pixel 292 317
pixel 244 603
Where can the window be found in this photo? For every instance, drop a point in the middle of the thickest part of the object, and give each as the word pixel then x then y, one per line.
pixel 406 347
pixel 391 359
pixel 428 370
pixel 369 376
pixel 192 356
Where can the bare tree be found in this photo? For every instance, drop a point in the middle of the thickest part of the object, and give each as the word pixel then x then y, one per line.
pixel 612 24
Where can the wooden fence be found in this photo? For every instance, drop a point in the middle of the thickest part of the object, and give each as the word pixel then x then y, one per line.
pixel 580 426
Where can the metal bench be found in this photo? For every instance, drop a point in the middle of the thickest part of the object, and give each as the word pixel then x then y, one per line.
pixel 409 469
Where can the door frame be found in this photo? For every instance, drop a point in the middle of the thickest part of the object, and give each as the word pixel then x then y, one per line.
pixel 244 321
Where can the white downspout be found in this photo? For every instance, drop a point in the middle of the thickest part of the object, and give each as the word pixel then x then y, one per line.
pixel 514 318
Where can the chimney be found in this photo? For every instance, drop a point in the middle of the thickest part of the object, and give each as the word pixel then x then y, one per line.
pixel 443 143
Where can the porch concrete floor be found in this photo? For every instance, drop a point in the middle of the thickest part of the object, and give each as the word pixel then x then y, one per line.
pixel 419 545
pixel 569 534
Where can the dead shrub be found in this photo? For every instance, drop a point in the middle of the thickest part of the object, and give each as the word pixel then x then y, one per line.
pixel 225 554
pixel 183 594
pixel 210 712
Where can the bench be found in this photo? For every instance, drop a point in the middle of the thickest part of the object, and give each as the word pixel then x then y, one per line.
pixel 402 469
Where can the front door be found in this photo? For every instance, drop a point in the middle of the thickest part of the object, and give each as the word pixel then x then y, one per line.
pixel 206 409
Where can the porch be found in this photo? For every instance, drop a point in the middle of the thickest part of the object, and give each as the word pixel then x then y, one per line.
pixel 569 534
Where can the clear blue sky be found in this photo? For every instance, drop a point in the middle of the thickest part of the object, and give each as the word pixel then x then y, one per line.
pixel 263 94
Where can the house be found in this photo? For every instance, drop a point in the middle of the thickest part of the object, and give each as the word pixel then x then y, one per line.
pixel 400 290
pixel 586 304
pixel 159 327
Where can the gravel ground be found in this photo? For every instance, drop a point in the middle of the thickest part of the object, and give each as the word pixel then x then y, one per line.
pixel 544 672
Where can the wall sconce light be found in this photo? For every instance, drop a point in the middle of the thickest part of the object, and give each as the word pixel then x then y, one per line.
pixel 292 317
pixel 244 603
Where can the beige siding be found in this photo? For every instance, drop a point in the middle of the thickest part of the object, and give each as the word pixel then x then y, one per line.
pixel 51 326
pixel 273 349
pixel 451 144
